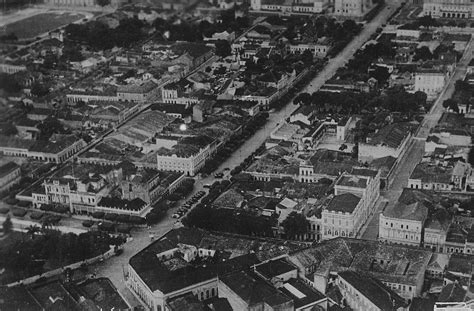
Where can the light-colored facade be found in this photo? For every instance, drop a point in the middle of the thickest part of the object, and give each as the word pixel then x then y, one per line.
pixel 190 164
pixel 403 224
pixel 11 68
pixel 290 6
pixel 318 50
pixel 354 201
pixel 353 8
pixel 462 9
pixel 430 82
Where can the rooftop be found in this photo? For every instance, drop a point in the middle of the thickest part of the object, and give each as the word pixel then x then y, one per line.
pixel 233 253
pixel 387 263
pixel 379 294
pixel 391 135
pixel 56 144
pixel 274 268
pixel 428 172
pixel 352 181
pixel 7 168
pixel 415 211
pixel 345 203
pixel 301 293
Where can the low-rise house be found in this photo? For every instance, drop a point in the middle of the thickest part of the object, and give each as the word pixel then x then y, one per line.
pixel 137 93
pixel 58 149
pixel 431 177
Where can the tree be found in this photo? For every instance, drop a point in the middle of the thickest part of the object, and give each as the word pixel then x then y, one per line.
pixel 32 230
pixel 103 3
pixel 307 57
pixel 451 104
pixel 343 147
pixel 295 224
pixel 423 53
pixel 9 129
pixel 302 99
pixel 381 74
pixel 7 225
pixel 223 48
pixel 9 84
pixel 39 90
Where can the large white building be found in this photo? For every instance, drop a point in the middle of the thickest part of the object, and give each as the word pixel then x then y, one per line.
pixel 353 8
pixel 290 6
pixel 186 155
pixel 430 81
pixel 402 223
pixel 353 202
pixel 449 8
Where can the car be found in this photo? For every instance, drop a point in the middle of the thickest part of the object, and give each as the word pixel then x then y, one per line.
pixel 226 169
pixel 175 216
pixel 219 175
pixel 207 186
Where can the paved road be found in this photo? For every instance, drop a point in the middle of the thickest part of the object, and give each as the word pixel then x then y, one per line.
pixel 416 149
pixel 113 268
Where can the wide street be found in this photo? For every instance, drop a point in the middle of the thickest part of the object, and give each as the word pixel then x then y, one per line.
pixel 113 268
pixel 416 150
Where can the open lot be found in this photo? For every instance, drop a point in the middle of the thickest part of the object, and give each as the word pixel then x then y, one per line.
pixel 33 26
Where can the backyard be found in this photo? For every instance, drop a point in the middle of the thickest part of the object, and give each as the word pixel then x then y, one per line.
pixel 38 24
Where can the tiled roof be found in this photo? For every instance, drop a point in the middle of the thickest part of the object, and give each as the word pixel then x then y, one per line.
pixel 452 292
pixel 345 203
pixel 416 211
pixel 391 135
pixel 7 168
pixel 379 294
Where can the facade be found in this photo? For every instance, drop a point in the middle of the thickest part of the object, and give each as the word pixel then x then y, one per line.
pixel 403 224
pixel 362 292
pixel 137 93
pixel 10 174
pixel 391 140
pixel 354 200
pixel 79 3
pixel 318 50
pixel 290 6
pixel 188 159
pixel 353 8
pixel 11 68
pixel 430 81
pixel 462 9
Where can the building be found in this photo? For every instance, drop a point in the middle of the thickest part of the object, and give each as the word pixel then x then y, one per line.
pixel 431 177
pixel 187 155
pixel 430 82
pixel 188 260
pixel 149 184
pixel 290 6
pixel 403 223
pixel 137 93
pixel 11 68
pixel 391 140
pixel 362 292
pixel 353 8
pixel 58 149
pixel 10 174
pixel 85 4
pixel 400 268
pixel 354 200
pixel 448 9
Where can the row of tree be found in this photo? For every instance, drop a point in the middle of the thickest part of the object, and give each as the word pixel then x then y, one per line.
pixel 99 36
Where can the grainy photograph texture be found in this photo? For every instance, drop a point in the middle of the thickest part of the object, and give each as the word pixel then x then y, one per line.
pixel 232 155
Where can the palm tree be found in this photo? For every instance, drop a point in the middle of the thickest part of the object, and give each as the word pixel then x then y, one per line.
pixel 32 230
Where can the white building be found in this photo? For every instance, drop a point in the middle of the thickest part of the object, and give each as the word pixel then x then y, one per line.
pixel 353 8
pixel 463 9
pixel 402 223
pixel 430 81
pixel 355 196
pixel 290 6
pixel 186 158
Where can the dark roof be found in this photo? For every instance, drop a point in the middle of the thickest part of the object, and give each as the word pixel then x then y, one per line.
pixel 54 146
pixel 374 290
pixel 7 168
pixel 391 135
pixel 422 304
pixel 253 290
pixel 415 211
pixel 345 203
pixel 310 294
pixel 187 302
pixel 452 292
pixel 274 268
